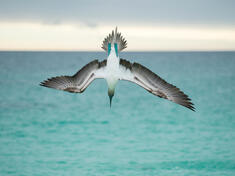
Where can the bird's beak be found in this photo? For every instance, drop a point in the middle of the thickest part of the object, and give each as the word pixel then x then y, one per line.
pixel 110 100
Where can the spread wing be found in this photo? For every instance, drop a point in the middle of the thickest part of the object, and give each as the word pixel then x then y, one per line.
pixel 153 83
pixel 78 82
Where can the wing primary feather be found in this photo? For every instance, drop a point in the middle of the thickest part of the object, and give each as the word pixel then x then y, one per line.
pixel 78 82
pixel 155 84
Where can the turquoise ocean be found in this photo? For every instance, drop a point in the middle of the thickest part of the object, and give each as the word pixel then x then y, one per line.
pixel 45 132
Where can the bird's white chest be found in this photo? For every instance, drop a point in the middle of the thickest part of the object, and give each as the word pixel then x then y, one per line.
pixel 112 70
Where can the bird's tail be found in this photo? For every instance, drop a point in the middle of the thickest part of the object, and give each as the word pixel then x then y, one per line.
pixel 115 37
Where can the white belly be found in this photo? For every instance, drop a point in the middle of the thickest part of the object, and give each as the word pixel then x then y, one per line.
pixel 112 70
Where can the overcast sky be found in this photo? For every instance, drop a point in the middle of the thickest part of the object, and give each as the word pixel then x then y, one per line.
pixel 147 24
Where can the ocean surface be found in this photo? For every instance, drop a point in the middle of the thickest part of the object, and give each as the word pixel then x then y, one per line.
pixel 45 132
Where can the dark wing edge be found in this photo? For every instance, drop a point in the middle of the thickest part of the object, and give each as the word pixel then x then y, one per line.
pixel 156 85
pixel 78 82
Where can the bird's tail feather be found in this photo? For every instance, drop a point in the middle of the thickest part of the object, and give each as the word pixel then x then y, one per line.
pixel 115 37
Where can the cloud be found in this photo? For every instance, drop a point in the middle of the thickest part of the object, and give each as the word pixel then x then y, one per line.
pixel 148 24
pixel 36 36
pixel 113 12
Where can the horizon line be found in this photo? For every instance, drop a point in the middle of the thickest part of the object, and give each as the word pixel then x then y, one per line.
pixel 122 51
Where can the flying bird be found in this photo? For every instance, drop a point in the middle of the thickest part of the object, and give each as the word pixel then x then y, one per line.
pixel 114 69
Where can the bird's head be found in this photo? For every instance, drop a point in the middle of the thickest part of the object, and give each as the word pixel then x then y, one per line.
pixel 111 94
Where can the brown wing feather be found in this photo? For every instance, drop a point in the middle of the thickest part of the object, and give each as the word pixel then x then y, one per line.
pixel 156 85
pixel 78 82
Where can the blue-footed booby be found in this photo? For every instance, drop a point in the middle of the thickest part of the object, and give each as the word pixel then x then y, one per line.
pixel 114 69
